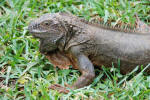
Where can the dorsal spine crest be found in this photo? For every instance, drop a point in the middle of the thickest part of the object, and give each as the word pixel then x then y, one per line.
pixel 101 24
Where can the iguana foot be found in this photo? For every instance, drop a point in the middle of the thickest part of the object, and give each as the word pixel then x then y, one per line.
pixel 59 88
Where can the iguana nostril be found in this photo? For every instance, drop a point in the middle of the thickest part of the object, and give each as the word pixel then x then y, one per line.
pixel 30 28
pixel 33 26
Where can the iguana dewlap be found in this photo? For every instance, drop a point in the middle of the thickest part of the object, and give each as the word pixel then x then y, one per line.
pixel 61 60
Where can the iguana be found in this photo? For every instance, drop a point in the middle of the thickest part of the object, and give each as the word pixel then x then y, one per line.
pixel 69 40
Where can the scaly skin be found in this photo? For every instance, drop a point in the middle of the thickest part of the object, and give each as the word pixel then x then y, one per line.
pixel 84 45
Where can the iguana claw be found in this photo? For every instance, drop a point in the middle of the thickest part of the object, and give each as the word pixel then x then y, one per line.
pixel 59 88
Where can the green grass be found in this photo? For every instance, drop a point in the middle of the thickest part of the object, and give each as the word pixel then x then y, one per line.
pixel 26 74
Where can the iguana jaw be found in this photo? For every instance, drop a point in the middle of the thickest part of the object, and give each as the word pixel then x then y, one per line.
pixel 48 45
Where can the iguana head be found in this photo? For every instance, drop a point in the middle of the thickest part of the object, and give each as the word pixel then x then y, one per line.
pixel 49 28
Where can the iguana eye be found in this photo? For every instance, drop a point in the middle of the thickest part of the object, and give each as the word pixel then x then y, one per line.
pixel 46 23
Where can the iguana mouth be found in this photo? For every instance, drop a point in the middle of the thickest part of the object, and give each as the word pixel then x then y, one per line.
pixel 44 34
pixel 38 35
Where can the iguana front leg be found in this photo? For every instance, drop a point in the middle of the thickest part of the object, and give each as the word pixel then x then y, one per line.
pixel 86 68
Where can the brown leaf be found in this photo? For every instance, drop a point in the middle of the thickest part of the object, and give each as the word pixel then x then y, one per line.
pixel 141 26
